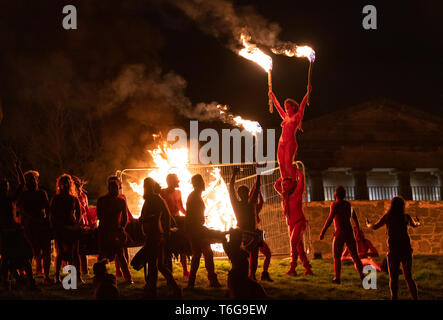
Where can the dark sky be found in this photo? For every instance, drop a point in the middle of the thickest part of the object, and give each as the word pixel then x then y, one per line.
pixel 88 100
pixel 401 60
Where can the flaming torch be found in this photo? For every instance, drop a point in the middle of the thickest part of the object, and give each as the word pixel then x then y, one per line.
pixel 251 52
pixel 292 50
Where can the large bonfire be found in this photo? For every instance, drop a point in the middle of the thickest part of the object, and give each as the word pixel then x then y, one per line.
pixel 219 214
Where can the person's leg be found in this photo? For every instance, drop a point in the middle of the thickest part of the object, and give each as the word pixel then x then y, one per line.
pixel 293 247
pixel 304 257
pixel 46 256
pixel 76 260
pixel 84 264
pixel 58 260
pixel 195 262
pixel 118 271
pixel 167 274
pixel 184 263
pixel 406 264
pixel 393 265
pixel 337 250
pixel 352 246
pixel 120 256
pixel 151 278
pixel 209 264
pixel 266 251
pixel 253 263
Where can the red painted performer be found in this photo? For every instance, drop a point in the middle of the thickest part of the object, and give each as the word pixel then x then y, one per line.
pixel 291 192
pixel 287 145
pixel 340 213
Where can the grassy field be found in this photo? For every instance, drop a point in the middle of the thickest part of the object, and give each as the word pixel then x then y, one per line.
pixel 427 272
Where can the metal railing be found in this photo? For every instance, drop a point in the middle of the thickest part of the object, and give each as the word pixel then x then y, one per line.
pixel 429 193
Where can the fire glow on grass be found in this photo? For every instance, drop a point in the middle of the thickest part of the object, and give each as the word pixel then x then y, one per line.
pixel 219 214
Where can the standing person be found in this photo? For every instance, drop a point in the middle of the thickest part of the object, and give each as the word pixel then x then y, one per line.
pixel 130 218
pixel 291 193
pixel 173 198
pixel 263 246
pixel 287 145
pixel 198 234
pixel 153 226
pixel 113 217
pixel 399 245
pixel 245 211
pixel 340 213
pixel 65 215
pixel 15 249
pixel 84 221
pixel 33 205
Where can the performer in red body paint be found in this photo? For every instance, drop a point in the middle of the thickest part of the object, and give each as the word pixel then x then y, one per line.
pixel 173 198
pixel 287 145
pixel 291 192
pixel 341 215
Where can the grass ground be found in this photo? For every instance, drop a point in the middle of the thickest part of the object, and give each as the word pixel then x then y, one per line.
pixel 427 273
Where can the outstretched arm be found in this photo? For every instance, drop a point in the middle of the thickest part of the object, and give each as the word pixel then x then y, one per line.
pixel 280 110
pixel 412 223
pixel 355 218
pixel 378 224
pixel 328 222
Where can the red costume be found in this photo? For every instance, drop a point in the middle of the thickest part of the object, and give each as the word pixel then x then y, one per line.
pixel 287 145
pixel 340 213
pixel 291 192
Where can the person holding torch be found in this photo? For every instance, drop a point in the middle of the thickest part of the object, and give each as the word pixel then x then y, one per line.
pixel 292 117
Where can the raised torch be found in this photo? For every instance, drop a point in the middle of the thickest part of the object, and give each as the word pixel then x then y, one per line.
pixel 251 52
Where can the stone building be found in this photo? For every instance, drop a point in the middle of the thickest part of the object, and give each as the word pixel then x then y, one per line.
pixel 376 150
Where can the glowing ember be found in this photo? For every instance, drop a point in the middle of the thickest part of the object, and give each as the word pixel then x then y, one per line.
pixel 251 52
pixel 219 214
pixel 292 50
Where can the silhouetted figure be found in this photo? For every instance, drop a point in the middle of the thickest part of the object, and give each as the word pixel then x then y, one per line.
pixel 113 217
pixel 173 198
pixel 399 245
pixel 105 284
pixel 65 214
pixel 34 215
pixel 85 223
pixel 340 213
pixel 130 218
pixel 263 246
pixel 153 211
pixel 240 285
pixel 245 211
pixel 198 235
pixel 287 145
pixel 15 250
pixel 291 192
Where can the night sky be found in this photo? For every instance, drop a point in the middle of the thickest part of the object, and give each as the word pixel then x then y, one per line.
pixel 96 94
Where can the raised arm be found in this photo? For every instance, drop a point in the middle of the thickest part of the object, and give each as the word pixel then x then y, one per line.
pixel 232 195
pixel 255 190
pixel 260 203
pixel 328 222
pixel 280 110
pixel 355 218
pixel 301 109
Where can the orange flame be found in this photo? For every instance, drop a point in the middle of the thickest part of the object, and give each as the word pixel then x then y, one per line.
pixel 251 52
pixel 297 51
pixel 219 214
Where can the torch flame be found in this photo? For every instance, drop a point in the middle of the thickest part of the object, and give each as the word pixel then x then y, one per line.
pixel 292 50
pixel 251 52
pixel 219 214
pixel 251 126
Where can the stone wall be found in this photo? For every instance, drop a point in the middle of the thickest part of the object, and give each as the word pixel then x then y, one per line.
pixel 426 239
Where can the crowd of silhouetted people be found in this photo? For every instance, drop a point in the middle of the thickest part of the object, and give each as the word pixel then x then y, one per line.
pixel 31 225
